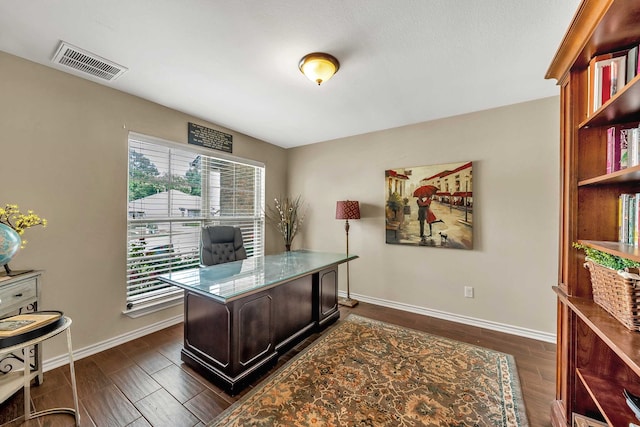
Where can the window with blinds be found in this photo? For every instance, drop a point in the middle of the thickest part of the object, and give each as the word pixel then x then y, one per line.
pixel 173 191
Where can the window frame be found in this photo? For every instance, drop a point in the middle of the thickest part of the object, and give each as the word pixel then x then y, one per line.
pixel 168 296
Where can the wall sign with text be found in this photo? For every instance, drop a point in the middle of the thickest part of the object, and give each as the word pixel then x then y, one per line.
pixel 210 138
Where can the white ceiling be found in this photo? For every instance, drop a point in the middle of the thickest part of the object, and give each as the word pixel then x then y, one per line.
pixel 235 63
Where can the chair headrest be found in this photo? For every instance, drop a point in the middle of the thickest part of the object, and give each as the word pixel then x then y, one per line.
pixel 221 233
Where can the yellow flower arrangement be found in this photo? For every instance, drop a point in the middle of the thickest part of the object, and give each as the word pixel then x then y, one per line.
pixel 11 216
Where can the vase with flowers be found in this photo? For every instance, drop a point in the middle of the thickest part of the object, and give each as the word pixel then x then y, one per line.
pixel 286 216
pixel 13 223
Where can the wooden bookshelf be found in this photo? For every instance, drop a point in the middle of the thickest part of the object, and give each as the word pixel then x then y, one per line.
pixel 597 356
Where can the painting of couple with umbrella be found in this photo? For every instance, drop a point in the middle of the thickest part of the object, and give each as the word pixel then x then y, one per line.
pixel 430 205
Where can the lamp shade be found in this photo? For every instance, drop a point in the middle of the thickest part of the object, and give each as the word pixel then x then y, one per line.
pixel 319 67
pixel 347 209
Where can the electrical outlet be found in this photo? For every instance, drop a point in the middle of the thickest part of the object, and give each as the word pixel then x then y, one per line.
pixel 468 292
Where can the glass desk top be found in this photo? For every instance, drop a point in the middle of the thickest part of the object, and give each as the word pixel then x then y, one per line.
pixel 233 279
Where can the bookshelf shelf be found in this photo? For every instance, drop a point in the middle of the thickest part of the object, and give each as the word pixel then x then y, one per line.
pixel 631 174
pixel 614 248
pixel 612 405
pixel 597 355
pixel 623 342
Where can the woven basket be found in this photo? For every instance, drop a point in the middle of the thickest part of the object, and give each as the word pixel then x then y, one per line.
pixel 616 294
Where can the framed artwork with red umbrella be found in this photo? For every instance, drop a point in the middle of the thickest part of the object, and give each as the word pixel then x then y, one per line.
pixel 430 205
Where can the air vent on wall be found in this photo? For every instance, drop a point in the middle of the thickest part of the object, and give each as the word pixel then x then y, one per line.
pixel 87 62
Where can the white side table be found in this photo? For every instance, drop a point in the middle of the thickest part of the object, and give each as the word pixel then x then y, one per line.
pixel 19 295
pixel 9 383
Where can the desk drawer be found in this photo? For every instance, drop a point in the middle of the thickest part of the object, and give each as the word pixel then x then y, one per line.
pixel 17 295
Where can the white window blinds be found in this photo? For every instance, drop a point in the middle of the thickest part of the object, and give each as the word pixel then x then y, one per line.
pixel 173 191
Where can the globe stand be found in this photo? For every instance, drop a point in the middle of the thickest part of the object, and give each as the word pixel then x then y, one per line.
pixel 11 273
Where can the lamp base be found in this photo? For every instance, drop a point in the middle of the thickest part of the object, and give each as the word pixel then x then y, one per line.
pixel 347 302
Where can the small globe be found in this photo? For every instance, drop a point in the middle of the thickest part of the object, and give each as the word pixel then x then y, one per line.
pixel 9 243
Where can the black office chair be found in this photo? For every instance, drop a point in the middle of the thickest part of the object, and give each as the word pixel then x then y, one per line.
pixel 221 243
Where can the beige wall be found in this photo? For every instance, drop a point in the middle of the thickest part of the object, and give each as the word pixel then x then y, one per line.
pixel 516 182
pixel 63 151
pixel 63 146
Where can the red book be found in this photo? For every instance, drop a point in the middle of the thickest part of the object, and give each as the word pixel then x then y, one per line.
pixel 605 89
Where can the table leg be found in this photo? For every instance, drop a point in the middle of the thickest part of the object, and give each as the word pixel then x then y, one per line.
pixel 27 386
pixel 37 359
pixel 73 378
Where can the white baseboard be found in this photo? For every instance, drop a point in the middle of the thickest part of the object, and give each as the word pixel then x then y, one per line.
pixel 486 324
pixel 63 359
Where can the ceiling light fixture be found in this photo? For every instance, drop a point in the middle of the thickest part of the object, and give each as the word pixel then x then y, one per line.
pixel 319 67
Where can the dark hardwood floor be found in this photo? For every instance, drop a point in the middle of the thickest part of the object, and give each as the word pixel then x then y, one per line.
pixel 144 383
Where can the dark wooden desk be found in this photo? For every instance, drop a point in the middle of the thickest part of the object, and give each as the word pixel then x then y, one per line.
pixel 240 316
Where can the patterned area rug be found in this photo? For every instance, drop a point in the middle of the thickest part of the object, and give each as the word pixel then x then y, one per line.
pixel 369 373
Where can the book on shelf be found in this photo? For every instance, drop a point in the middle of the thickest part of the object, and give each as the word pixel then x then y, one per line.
pixel 623 218
pixel 21 323
pixel 629 218
pixel 623 147
pixel 615 150
pixel 633 143
pixel 620 217
pixel 632 233
pixel 606 76
pixel 593 83
pixel 618 76
pixel 632 64
pixel 610 149
pixel 583 421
